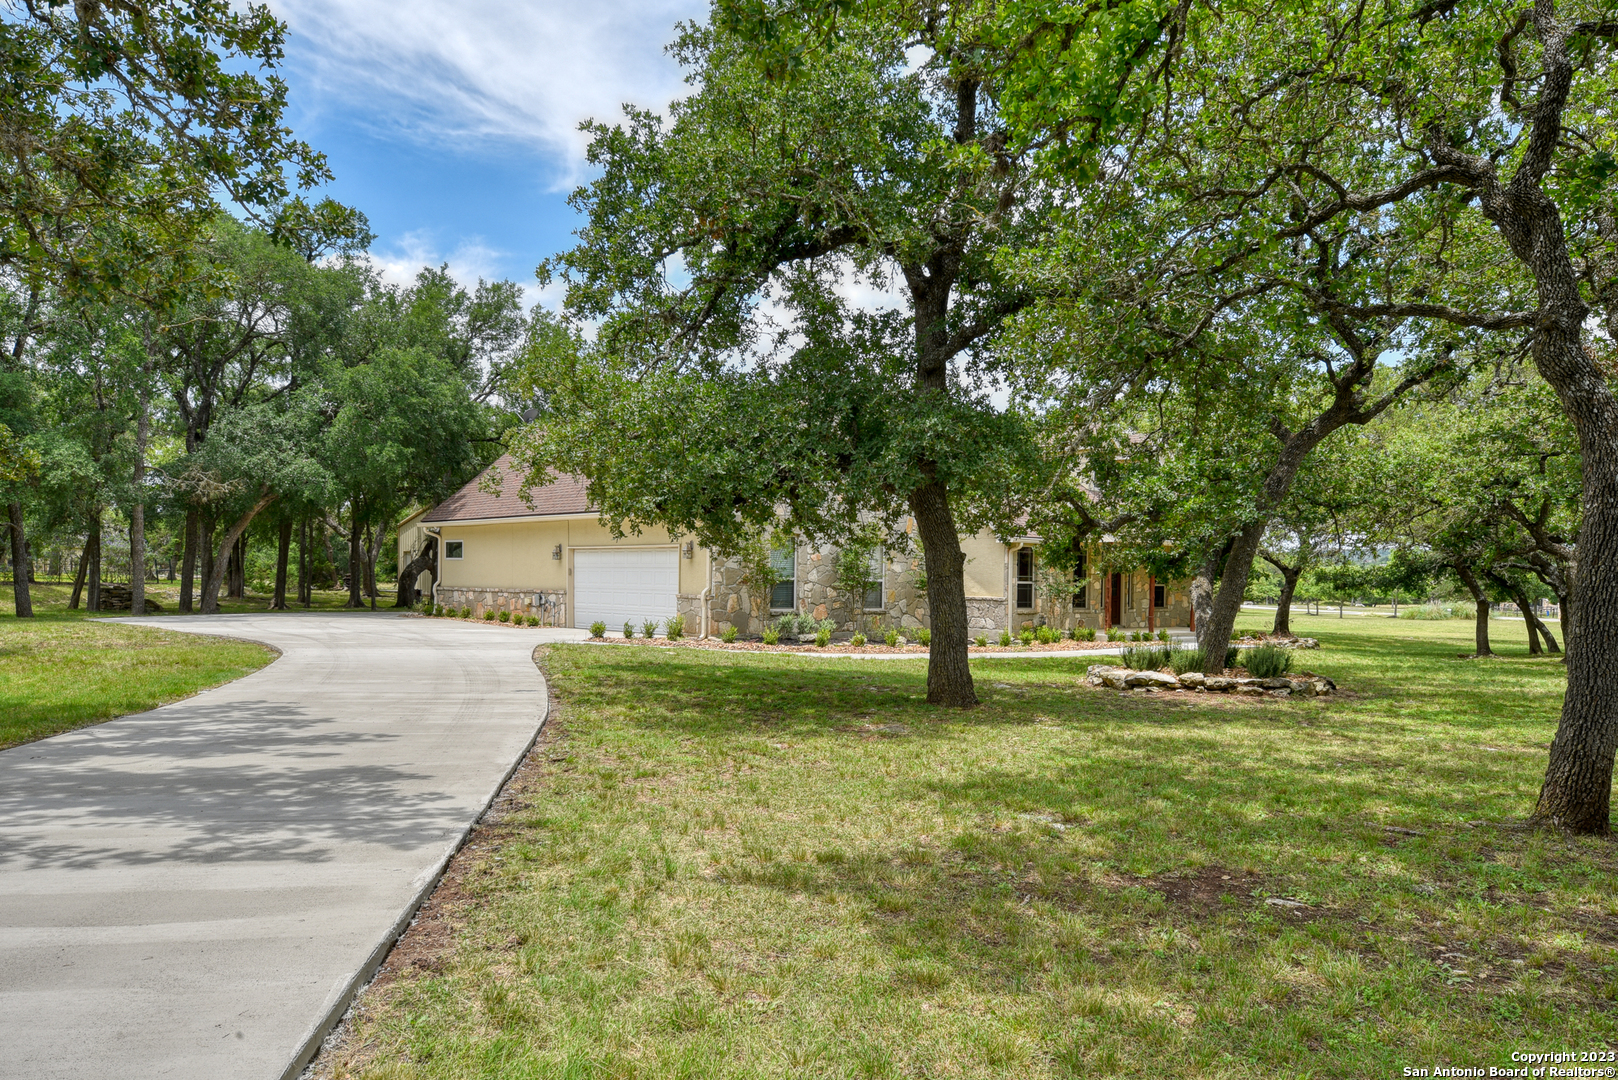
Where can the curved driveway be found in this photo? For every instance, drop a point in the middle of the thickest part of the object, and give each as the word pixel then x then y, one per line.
pixel 198 890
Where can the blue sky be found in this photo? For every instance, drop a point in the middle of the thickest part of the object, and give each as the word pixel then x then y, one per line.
pixel 454 126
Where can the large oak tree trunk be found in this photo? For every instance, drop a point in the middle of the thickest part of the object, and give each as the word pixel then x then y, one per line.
pixel 283 551
pixel 1481 599
pixel 188 562
pixel 74 600
pixel 221 563
pixel 20 574
pixel 1214 635
pixel 93 600
pixel 1577 792
pixel 356 563
pixel 1283 606
pixel 425 561
pixel 949 676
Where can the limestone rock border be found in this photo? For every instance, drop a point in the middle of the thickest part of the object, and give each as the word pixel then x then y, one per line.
pixel 1122 678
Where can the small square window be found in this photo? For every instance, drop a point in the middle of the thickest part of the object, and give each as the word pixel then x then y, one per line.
pixel 454 549
pixel 1159 596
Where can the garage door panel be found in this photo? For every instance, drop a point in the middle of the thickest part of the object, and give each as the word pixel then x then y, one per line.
pixel 619 585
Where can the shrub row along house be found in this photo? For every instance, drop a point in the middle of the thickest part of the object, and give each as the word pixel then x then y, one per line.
pixel 545 552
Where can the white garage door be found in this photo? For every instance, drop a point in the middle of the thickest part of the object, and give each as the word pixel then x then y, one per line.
pixel 625 585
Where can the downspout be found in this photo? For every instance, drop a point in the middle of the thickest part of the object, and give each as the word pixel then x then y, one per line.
pixel 707 589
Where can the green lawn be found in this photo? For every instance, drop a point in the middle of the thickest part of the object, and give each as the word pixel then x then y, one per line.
pixel 62 670
pixel 764 866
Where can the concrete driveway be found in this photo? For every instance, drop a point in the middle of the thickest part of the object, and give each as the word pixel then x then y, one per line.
pixel 197 891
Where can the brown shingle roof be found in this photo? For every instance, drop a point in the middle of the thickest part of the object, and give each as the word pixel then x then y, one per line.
pixel 565 494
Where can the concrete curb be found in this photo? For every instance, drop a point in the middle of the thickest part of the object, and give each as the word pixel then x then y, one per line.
pixel 340 1002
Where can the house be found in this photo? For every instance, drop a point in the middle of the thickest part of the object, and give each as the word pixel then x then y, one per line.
pixel 547 554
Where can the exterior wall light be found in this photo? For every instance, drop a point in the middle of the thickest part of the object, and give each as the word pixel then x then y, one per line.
pixel 690 549
pixel 556 552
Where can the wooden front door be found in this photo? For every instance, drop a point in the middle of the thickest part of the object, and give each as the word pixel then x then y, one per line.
pixel 1115 600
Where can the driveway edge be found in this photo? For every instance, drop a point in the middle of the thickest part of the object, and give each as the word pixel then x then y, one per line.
pixel 315 1037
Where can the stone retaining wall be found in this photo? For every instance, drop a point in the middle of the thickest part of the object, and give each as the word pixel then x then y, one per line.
pixel 550 605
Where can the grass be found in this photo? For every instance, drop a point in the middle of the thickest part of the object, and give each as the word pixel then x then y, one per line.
pixel 745 865
pixel 63 670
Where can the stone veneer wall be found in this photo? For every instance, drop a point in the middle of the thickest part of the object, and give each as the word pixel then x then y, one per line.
pixel 549 604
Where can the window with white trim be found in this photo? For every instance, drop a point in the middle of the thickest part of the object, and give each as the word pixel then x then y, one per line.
pixel 876 583
pixel 454 549
pixel 784 593
pixel 1025 578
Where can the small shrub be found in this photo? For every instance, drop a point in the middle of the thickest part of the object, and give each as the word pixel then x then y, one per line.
pixel 1235 635
pixel 1005 638
pixel 1045 635
pixel 505 616
pixel 925 636
pixel 629 630
pixel 1184 660
pixel 891 637
pixel 598 629
pixel 1267 661
pixel 858 640
pixel 728 635
pixel 772 635
pixel 1115 635
pixel 466 613
pixel 676 628
pixel 823 637
pixel 1026 637
pixel 533 620
pixel 980 641
pixel 1163 635
pixel 1464 609
pixel 648 628
pixel 488 616
pixel 1147 658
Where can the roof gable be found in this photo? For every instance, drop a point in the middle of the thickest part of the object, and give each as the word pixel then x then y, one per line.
pixel 565 494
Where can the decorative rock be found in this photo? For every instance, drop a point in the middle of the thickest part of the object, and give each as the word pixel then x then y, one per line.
pixel 1219 682
pixel 1192 679
pixel 1249 689
pixel 1115 679
pixel 1279 693
pixel 1155 679
pixel 1276 684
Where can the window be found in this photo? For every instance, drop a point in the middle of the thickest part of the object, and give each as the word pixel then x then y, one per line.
pixel 1159 596
pixel 1025 578
pixel 784 593
pixel 876 583
pixel 454 549
pixel 1081 585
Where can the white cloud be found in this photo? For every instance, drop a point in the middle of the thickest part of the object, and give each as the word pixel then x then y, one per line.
pixel 503 72
pixel 468 261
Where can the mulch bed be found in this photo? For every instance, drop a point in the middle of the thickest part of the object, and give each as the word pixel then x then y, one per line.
pixel 868 649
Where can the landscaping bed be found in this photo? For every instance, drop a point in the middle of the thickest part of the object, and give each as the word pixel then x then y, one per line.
pixel 869 648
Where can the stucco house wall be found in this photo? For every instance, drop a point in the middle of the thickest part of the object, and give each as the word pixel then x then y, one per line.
pixel 517 554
